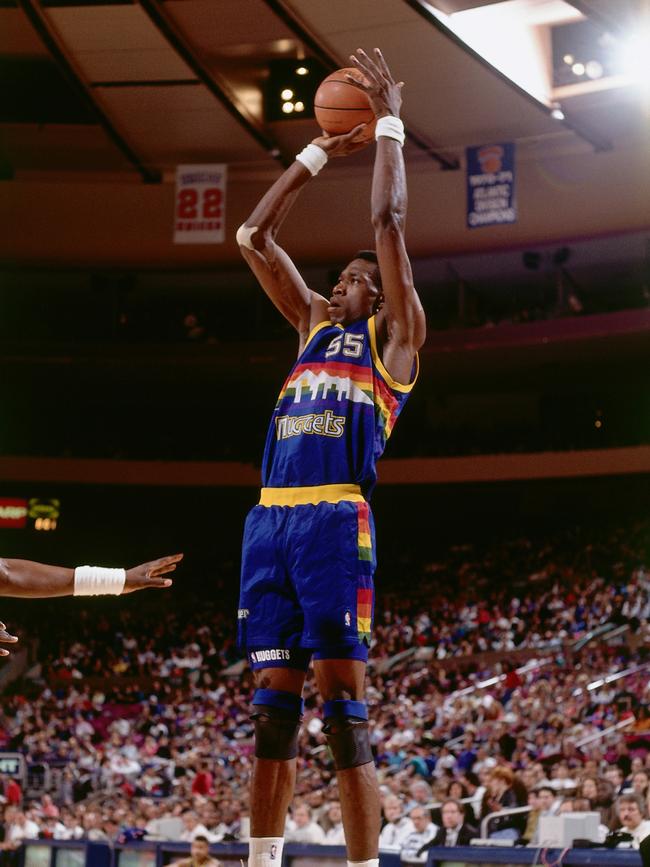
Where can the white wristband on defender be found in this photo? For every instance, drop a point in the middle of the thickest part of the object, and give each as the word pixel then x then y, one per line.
pixel 96 581
pixel 390 127
pixel 313 158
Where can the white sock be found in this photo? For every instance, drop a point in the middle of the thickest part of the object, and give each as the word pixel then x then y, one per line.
pixel 372 862
pixel 266 851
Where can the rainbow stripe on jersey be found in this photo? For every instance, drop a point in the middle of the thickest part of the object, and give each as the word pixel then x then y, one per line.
pixel 336 409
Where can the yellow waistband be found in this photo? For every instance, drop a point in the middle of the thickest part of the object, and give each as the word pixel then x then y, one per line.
pixel 311 495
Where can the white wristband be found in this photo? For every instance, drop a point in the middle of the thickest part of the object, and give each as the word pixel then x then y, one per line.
pixel 313 158
pixel 96 581
pixel 390 127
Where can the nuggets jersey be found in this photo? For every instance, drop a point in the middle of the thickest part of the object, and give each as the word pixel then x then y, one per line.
pixel 335 412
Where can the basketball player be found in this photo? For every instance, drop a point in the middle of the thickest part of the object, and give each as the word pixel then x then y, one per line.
pixel 309 554
pixel 24 578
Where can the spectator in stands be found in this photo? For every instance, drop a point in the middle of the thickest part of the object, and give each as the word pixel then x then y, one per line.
pixel 19 827
pixel 467 755
pixel 193 828
pixel 202 782
pixel 420 792
pixel 631 812
pixel 199 854
pixel 640 780
pixel 455 830
pixel 10 790
pixel 561 781
pixel 475 792
pixel 301 828
pixel 616 777
pixel 397 827
pixel 547 805
pixel 335 836
pixel 412 851
pixel 501 796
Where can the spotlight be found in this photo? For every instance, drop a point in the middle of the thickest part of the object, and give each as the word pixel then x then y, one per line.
pixel 293 81
pixel 594 69
pixel 634 57
pixel 578 69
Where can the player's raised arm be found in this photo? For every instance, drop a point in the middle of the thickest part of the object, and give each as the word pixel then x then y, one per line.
pixel 275 271
pixel 401 323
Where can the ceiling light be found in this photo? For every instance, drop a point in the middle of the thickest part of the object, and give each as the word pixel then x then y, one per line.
pixel 287 93
pixel 299 106
pixel 578 69
pixel 635 57
pixel 594 69
pixel 557 113
pixel 569 59
pixel 287 107
pixel 301 70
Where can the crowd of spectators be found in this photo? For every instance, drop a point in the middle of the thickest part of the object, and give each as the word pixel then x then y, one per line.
pixel 141 720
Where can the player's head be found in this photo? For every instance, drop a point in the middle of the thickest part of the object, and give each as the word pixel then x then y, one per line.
pixel 200 848
pixel 357 293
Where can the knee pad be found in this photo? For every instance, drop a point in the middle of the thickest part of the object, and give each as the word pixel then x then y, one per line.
pixel 346 729
pixel 277 722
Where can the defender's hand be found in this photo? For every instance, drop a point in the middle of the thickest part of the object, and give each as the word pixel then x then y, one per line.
pixel 341 145
pixel 384 93
pixel 149 574
pixel 6 638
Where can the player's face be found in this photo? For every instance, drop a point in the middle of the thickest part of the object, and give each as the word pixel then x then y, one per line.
pixel 355 293
pixel 200 850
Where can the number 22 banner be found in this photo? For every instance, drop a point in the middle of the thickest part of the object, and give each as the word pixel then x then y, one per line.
pixel 200 204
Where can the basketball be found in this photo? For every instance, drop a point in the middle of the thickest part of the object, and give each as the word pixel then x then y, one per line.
pixel 339 106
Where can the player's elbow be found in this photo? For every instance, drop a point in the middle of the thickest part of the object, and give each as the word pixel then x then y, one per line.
pixel 253 238
pixel 390 220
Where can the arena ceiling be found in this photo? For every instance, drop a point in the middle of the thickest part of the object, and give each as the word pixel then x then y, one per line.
pixel 124 91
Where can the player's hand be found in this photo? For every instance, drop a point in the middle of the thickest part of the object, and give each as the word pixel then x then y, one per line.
pixel 383 92
pixel 150 574
pixel 342 145
pixel 6 638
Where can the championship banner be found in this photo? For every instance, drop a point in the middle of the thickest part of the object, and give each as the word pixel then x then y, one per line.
pixel 491 185
pixel 200 204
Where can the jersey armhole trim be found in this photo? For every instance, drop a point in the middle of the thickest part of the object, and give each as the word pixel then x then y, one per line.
pixel 315 331
pixel 379 364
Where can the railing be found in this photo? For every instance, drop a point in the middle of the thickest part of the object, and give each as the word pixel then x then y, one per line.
pixel 150 854
pixel 39 779
pixel 603 734
pixel 511 811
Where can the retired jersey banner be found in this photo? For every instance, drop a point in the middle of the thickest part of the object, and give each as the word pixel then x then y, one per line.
pixel 491 185
pixel 200 204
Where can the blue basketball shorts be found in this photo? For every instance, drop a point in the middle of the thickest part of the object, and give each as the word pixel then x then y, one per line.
pixel 307 580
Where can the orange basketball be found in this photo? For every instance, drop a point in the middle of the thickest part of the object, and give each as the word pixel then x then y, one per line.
pixel 339 106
